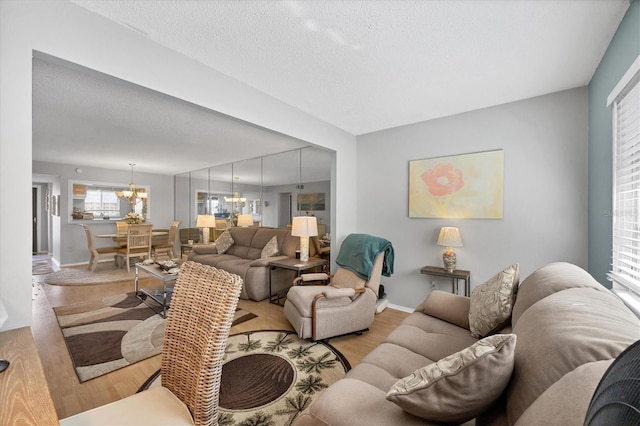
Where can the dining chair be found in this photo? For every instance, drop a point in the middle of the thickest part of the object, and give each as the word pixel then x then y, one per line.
pixel 121 229
pixel 97 253
pixel 138 244
pixel 169 245
pixel 192 357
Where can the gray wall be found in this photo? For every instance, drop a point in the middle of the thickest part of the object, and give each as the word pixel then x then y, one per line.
pixel 545 191
pixel 68 244
pixel 622 51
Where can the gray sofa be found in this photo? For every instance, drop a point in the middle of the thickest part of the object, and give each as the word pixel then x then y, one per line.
pixel 568 330
pixel 244 259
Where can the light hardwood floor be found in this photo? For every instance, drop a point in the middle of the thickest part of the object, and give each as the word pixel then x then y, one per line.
pixel 71 397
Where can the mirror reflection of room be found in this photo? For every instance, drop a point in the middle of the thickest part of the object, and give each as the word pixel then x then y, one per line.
pixel 271 189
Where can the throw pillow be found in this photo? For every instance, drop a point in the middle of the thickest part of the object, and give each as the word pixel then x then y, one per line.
pixel 224 241
pixel 271 248
pixel 492 302
pixel 460 386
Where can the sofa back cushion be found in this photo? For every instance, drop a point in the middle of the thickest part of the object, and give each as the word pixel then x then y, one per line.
pixel 241 241
pixel 560 334
pixel 548 280
pixel 249 242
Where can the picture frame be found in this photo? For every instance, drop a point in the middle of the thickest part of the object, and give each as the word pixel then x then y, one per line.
pixel 314 201
pixel 464 186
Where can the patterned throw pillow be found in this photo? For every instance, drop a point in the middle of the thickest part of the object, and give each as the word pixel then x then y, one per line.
pixel 271 248
pixel 460 386
pixel 224 241
pixel 492 302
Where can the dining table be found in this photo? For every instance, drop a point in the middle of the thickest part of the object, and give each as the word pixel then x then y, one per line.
pixel 122 237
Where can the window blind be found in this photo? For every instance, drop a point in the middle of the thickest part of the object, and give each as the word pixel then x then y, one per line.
pixel 625 271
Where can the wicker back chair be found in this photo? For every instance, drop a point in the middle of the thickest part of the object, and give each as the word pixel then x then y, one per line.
pixel 192 356
pixel 202 309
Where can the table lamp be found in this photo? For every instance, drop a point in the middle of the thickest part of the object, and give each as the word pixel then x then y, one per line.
pixel 304 227
pixel 245 220
pixel 449 237
pixel 205 221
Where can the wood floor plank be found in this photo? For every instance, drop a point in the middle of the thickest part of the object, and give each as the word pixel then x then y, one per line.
pixel 71 397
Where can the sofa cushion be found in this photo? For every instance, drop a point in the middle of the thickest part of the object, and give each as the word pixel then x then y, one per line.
pixel 560 333
pixel 224 241
pixel 492 302
pixel 550 279
pixel 271 248
pixel 460 386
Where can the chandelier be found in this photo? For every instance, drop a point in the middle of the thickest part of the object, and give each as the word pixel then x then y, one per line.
pixel 132 194
pixel 235 199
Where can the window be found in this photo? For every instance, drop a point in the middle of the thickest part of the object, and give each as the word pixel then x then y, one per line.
pixel 625 272
pixel 102 202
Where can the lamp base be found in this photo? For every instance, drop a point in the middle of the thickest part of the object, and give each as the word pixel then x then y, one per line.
pixel 450 260
pixel 304 249
pixel 205 235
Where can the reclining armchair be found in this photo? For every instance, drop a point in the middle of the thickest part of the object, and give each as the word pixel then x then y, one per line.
pixel 348 303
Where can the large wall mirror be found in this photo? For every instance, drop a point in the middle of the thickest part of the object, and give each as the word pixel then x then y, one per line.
pixel 272 189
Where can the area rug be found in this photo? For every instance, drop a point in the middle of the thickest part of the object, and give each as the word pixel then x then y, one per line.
pixel 105 273
pixel 41 267
pixel 270 377
pixel 108 334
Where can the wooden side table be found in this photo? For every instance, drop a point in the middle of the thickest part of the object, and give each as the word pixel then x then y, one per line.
pixel 455 276
pixel 294 265
pixel 24 392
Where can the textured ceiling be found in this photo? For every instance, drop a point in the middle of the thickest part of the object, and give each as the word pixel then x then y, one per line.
pixel 362 66
pixel 370 65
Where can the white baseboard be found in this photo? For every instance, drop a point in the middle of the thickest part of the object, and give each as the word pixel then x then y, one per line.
pixel 401 308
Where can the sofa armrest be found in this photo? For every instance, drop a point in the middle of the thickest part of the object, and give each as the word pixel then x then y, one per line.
pixel 264 261
pixel 205 249
pixel 446 306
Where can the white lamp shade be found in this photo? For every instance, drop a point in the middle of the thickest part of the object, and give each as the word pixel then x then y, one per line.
pixel 304 226
pixel 245 220
pixel 449 237
pixel 206 221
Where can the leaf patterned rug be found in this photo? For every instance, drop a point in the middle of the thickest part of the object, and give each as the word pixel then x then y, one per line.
pixel 111 333
pixel 269 377
pixel 105 273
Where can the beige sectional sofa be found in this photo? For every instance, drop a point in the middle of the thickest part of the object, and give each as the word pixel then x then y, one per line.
pixel 563 332
pixel 245 258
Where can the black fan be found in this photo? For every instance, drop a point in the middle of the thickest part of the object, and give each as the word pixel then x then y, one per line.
pixel 616 400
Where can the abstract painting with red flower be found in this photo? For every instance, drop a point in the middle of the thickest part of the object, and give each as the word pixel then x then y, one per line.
pixel 443 179
pixel 459 186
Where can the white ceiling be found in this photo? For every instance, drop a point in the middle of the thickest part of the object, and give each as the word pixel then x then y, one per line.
pixel 362 66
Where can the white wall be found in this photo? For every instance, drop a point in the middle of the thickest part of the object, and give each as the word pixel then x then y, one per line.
pixel 74 34
pixel 545 190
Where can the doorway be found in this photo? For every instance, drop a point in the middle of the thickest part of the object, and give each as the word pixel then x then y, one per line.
pixel 284 210
pixel 34 220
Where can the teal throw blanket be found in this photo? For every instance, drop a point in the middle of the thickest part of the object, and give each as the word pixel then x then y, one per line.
pixel 359 251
